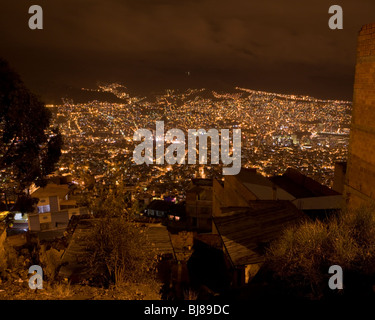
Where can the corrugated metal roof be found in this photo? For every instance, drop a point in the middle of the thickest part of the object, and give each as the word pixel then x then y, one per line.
pixel 263 192
pixel 160 205
pixel 252 177
pixel 51 190
pixel 245 231
pixel 158 235
pixel 301 186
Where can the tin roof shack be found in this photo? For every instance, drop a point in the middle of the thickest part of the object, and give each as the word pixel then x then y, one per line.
pixel 54 209
pixel 313 198
pixel 246 232
pixel 169 213
pixel 199 205
pixel 243 188
pixel 308 195
pixel 158 209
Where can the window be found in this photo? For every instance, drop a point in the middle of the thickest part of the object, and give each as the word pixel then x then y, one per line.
pixel 160 213
pixel 45 226
pixel 194 222
pixel 205 210
pixel 42 209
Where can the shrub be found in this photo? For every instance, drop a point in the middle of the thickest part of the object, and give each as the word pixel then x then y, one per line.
pixel 119 249
pixel 59 290
pixel 301 257
pixel 50 260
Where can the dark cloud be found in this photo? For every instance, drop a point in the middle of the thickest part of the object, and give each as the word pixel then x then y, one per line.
pixel 268 45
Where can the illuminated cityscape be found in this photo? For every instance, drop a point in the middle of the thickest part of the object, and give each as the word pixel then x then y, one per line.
pixel 278 131
pixel 171 151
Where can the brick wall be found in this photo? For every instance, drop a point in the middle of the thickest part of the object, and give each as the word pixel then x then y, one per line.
pixel 2 251
pixel 360 176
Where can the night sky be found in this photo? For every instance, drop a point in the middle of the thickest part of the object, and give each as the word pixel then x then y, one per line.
pixel 281 46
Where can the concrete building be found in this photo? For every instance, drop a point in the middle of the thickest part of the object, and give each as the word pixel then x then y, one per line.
pixel 199 205
pixel 339 177
pixel 360 174
pixel 54 209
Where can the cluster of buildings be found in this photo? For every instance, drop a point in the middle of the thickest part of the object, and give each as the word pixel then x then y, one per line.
pixel 239 216
pixel 226 221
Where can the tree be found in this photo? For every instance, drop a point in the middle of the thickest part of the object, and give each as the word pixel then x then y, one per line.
pixel 29 148
pixel 135 208
pixel 106 201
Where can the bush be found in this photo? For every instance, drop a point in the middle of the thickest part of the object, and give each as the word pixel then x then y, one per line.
pixel 50 258
pixel 301 257
pixel 119 250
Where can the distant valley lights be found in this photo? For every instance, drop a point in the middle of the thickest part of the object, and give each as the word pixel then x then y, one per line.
pixel 176 153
